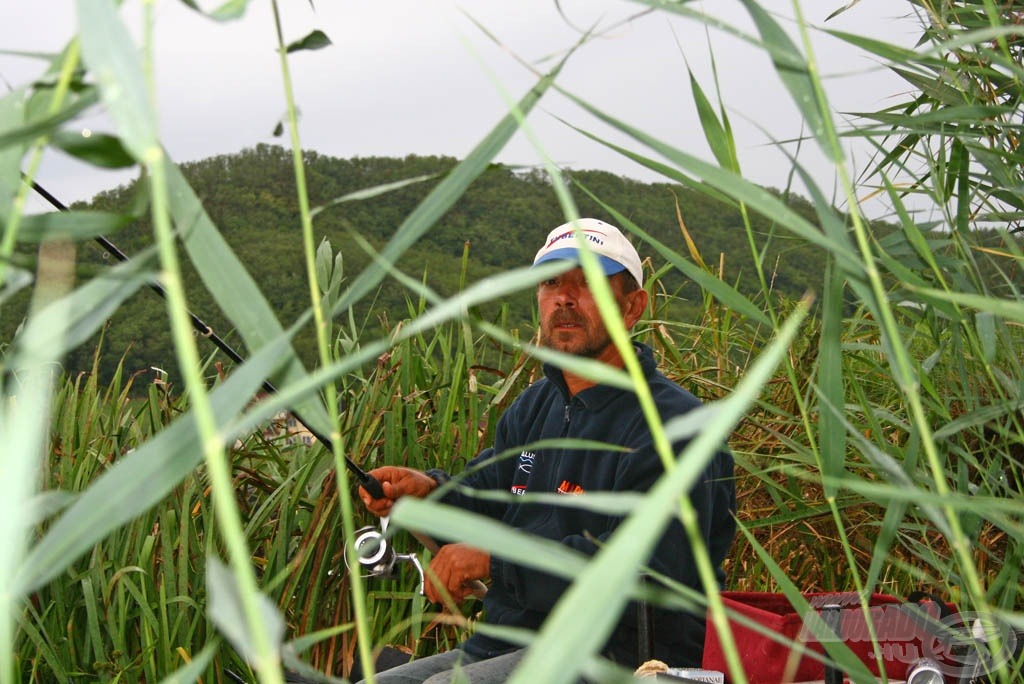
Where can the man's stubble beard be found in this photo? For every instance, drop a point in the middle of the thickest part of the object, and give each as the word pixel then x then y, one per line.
pixel 590 346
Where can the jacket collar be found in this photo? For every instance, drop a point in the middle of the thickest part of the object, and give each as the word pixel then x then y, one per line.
pixel 596 397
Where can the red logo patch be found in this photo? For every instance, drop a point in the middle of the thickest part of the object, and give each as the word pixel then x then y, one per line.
pixel 569 488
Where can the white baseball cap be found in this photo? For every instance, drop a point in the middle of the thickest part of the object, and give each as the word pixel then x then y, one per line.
pixel 614 251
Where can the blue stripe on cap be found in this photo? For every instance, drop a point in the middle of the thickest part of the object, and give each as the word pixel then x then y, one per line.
pixel 610 266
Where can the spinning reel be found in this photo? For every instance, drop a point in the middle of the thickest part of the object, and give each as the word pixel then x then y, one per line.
pixel 376 556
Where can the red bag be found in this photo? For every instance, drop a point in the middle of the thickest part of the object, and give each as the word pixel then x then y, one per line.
pixel 901 628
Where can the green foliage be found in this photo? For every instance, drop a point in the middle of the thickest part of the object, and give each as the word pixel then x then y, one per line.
pixel 879 429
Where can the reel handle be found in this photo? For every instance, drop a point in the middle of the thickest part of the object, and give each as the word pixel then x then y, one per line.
pixel 415 560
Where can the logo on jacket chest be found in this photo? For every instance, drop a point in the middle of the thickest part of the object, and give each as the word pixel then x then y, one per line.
pixel 569 488
pixel 524 465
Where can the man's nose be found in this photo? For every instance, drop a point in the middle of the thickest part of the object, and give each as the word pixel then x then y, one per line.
pixel 566 295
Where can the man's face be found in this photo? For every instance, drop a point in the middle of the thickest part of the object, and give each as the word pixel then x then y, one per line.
pixel 570 321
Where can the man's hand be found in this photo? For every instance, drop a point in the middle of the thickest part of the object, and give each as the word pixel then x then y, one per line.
pixel 455 567
pixel 396 483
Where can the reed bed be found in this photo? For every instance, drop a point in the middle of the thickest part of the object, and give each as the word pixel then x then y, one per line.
pixel 877 423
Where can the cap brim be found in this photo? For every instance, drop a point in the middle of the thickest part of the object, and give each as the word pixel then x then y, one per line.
pixel 609 265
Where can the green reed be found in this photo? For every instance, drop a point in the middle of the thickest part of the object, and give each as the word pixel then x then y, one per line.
pixel 877 425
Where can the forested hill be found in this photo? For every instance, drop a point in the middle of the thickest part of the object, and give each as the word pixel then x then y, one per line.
pixel 503 218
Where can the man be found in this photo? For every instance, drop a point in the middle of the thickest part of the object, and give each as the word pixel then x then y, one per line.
pixel 565 405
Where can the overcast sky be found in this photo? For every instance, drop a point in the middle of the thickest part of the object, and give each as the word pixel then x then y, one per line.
pixel 418 77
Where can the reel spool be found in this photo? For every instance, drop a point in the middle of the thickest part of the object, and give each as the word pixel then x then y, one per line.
pixel 376 556
pixel 373 552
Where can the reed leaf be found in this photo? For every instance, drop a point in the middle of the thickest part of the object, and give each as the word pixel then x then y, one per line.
pixel 109 51
pixel 66 324
pixel 796 75
pixel 226 611
pixel 830 381
pixel 234 289
pixel 76 225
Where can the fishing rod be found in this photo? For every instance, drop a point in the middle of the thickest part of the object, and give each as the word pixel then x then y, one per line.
pixel 366 481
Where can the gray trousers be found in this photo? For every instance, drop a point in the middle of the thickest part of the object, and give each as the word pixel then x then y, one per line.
pixel 452 667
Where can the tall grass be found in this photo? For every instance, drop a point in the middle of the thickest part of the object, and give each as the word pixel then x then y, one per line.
pixel 878 426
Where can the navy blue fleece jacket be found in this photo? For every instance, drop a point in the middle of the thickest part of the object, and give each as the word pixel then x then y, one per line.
pixel 521 596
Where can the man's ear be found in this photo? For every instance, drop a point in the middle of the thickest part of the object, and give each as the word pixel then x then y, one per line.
pixel 635 306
